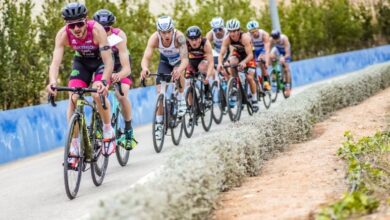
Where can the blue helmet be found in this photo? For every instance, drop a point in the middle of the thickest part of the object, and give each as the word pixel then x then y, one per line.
pixel 275 34
pixel 252 25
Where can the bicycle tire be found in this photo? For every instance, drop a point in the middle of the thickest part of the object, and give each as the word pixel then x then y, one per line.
pixel 232 90
pixel 121 153
pixel 207 114
pixel 249 105
pixel 217 94
pixel 189 125
pixel 274 86
pixel 71 192
pixel 177 123
pixel 158 144
pixel 99 162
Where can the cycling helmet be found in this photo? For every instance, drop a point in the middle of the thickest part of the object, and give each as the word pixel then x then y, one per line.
pixel 164 23
pixel 104 17
pixel 74 11
pixel 217 22
pixel 252 25
pixel 275 34
pixel 233 24
pixel 193 32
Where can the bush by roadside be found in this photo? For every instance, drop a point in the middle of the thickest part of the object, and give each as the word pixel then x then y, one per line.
pixel 188 185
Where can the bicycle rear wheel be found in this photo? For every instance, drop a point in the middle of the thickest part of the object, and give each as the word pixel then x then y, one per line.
pixel 263 94
pixel 119 125
pixel 158 128
pixel 207 114
pixel 189 117
pixel 99 162
pixel 176 123
pixel 234 100
pixel 72 175
pixel 217 98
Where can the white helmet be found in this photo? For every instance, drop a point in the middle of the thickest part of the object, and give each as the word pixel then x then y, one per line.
pixel 252 25
pixel 233 24
pixel 164 23
pixel 217 22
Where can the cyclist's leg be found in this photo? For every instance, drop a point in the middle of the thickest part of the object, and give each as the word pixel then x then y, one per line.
pixel 163 68
pixel 250 76
pixel 264 71
pixel 182 105
pixel 203 67
pixel 287 77
pixel 79 77
pixel 105 114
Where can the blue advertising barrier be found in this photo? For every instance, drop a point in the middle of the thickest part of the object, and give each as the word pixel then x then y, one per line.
pixel 32 130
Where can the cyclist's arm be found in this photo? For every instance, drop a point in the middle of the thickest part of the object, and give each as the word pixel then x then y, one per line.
pixel 123 56
pixel 210 59
pixel 267 45
pixel 224 48
pixel 152 43
pixel 246 41
pixel 287 47
pixel 209 36
pixel 58 53
pixel 105 51
pixel 181 40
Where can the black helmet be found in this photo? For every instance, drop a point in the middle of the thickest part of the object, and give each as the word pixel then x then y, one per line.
pixel 104 17
pixel 193 32
pixel 74 11
pixel 275 34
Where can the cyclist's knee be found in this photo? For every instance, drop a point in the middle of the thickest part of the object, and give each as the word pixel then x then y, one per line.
pixel 202 67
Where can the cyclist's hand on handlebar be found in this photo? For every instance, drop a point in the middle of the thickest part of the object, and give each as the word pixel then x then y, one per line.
pixel 175 74
pixel 219 67
pixel 144 73
pixel 101 89
pixel 50 89
pixel 282 59
pixel 115 77
pixel 241 66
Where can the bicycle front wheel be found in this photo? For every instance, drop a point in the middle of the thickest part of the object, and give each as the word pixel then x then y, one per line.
pixel 207 114
pixel 99 162
pixel 217 97
pixel 189 118
pixel 176 123
pixel 119 125
pixel 158 128
pixel 73 165
pixel 234 99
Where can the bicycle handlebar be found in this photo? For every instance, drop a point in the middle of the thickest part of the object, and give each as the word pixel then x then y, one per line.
pixel 155 74
pixel 77 90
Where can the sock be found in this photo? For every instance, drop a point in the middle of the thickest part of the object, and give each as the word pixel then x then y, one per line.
pixel 254 97
pixel 159 118
pixel 128 125
pixel 180 96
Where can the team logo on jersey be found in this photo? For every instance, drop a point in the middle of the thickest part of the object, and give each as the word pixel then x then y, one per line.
pixel 74 41
pixel 88 41
pixel 74 72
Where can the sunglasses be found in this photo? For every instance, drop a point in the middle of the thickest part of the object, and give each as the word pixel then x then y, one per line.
pixel 217 29
pixel 107 28
pixel 253 31
pixel 78 24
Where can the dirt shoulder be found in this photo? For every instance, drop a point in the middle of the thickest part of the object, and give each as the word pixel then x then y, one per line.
pixel 308 175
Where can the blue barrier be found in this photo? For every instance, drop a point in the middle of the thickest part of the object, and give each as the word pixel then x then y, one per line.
pixel 31 130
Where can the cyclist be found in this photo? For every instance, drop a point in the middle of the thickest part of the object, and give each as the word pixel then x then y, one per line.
pixel 93 56
pixel 173 60
pixel 242 55
pixel 199 54
pixel 122 70
pixel 261 49
pixel 216 36
pixel 282 51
